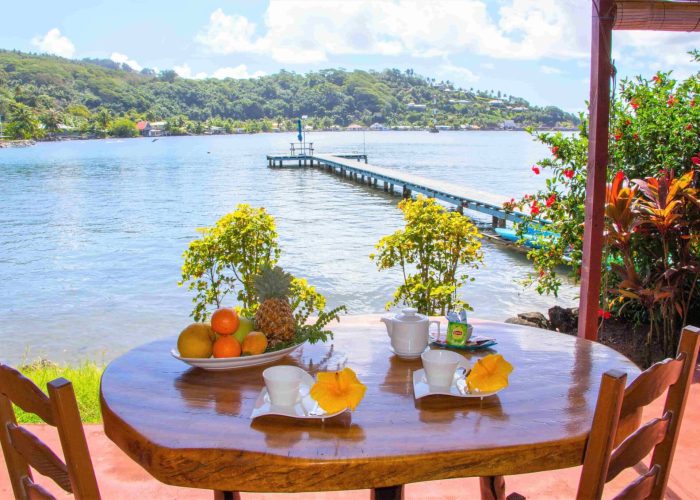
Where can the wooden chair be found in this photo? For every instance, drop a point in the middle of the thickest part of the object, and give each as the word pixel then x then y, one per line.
pixel 611 448
pixel 23 450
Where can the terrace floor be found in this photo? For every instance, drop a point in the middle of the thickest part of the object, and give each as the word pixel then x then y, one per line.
pixel 119 477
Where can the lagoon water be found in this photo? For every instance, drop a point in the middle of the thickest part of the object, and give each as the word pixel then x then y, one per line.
pixel 92 232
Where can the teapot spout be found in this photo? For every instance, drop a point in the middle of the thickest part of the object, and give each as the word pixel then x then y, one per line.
pixel 389 325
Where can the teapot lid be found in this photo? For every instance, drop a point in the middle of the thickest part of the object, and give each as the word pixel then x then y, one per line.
pixel 410 315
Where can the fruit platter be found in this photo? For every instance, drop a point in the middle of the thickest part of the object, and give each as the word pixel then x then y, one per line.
pixel 230 340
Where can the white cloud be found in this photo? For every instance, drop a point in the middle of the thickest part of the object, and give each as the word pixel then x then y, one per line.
pixel 186 72
pixel 550 70
pixel 460 74
pixel 124 59
pixel 54 43
pixel 298 31
pixel 650 51
pixel 240 71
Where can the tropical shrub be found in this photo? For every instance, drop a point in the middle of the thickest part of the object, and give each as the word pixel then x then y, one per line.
pixel 655 136
pixel 432 250
pixel 653 234
pixel 221 265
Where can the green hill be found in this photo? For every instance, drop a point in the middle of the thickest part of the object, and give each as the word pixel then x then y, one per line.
pixel 90 95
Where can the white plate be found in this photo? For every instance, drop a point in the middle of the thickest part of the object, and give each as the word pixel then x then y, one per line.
pixel 306 407
pixel 235 363
pixel 408 355
pixel 458 389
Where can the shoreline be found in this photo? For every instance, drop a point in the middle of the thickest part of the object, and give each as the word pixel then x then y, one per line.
pixel 21 143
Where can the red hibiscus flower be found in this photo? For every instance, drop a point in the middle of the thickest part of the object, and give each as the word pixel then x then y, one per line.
pixel 619 176
pixel 555 150
pixel 656 79
pixel 692 103
pixel 541 273
pixel 534 208
pixel 551 200
pixel 695 160
pixel 569 173
pixel 634 103
pixel 628 122
pixel 689 126
pixel 603 313
pixel 635 136
pixel 536 169
pixel 618 135
pixel 672 100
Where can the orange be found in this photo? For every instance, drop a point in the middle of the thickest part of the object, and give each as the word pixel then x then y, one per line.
pixel 226 347
pixel 224 321
pixel 254 343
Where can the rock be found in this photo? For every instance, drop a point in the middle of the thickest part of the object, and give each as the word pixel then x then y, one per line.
pixel 536 318
pixel 563 320
pixel 520 321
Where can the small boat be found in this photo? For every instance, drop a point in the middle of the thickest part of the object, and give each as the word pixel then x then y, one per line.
pixel 530 238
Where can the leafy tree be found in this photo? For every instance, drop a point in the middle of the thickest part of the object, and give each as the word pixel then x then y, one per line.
pixel 23 123
pixel 123 127
pixel 432 250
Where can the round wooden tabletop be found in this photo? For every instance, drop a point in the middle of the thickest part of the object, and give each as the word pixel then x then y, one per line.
pixel 190 427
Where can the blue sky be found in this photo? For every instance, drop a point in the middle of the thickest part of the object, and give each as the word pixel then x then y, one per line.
pixel 537 49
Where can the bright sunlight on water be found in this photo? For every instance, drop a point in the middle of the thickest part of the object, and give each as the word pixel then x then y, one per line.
pixel 92 232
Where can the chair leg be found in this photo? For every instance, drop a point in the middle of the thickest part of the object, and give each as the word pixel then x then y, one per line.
pixel 492 488
pixel 388 493
pixel 226 495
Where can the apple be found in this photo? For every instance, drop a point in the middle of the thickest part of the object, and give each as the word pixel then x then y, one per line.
pixel 245 326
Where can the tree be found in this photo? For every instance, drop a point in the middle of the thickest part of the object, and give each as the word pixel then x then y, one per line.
pixel 432 250
pixel 124 128
pixel 23 123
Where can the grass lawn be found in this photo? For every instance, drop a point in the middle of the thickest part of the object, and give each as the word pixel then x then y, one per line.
pixel 86 384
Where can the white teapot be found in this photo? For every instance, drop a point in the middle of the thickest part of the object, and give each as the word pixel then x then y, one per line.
pixel 409 332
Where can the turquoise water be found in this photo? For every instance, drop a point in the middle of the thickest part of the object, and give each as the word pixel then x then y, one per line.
pixel 92 232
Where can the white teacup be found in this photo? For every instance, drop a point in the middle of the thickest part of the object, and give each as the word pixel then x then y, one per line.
pixel 283 384
pixel 440 366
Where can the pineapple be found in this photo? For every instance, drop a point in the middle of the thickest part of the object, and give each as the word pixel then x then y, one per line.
pixel 274 317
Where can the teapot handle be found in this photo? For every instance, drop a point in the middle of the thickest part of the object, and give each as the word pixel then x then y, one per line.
pixel 438 328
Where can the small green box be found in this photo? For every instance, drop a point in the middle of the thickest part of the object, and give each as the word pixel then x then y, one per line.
pixel 457 334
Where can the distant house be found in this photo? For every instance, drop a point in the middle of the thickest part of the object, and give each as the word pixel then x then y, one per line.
pixel 355 127
pixel 443 127
pixel 377 126
pixel 217 130
pixel 418 107
pixel 508 125
pixel 520 108
pixel 335 128
pixel 148 129
pixel 496 103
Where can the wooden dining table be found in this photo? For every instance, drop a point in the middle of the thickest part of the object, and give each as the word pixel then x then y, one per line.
pixel 190 427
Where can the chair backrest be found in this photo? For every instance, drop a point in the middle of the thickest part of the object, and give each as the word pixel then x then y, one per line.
pixel 23 450
pixel 606 456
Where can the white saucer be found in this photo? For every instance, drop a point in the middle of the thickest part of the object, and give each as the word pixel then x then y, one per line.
pixel 306 407
pixel 408 355
pixel 458 389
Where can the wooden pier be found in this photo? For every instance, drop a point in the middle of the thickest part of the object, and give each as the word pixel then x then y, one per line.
pixel 356 168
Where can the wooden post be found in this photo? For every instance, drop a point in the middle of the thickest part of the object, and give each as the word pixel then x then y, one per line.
pixel 494 221
pixel 460 209
pixel 601 73
pixel 406 192
pixel 386 187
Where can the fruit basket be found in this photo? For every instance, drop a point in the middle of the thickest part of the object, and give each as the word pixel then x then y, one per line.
pixel 239 362
pixel 231 341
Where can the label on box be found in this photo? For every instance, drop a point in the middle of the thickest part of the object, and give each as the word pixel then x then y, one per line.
pixel 457 334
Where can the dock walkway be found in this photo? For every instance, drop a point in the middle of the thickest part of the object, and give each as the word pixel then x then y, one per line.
pixel 402 183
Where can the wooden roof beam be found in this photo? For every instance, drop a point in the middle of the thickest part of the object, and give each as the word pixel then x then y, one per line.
pixel 679 15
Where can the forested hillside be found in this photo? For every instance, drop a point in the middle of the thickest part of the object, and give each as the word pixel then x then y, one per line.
pixel 94 96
